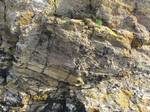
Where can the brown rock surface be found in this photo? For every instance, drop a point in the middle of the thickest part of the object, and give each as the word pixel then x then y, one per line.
pixel 74 56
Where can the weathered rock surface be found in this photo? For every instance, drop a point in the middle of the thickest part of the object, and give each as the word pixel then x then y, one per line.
pixel 74 55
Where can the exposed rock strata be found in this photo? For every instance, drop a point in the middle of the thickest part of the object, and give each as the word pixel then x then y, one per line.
pixel 74 55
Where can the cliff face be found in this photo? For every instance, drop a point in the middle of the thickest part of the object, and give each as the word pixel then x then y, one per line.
pixel 75 55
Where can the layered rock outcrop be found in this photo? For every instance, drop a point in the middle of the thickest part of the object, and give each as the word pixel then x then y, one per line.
pixel 74 55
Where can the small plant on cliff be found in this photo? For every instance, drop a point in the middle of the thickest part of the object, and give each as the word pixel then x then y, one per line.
pixel 99 22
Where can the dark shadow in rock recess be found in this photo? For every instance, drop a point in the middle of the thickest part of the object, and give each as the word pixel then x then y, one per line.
pixel 62 101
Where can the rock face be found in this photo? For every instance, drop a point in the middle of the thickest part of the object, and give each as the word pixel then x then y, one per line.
pixel 74 55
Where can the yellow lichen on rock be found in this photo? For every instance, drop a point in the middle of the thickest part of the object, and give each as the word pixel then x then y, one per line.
pixel 106 97
pixel 123 100
pixel 106 33
pixel 53 3
pixel 92 94
pixel 25 103
pixel 26 18
pixel 127 93
pixel 40 97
